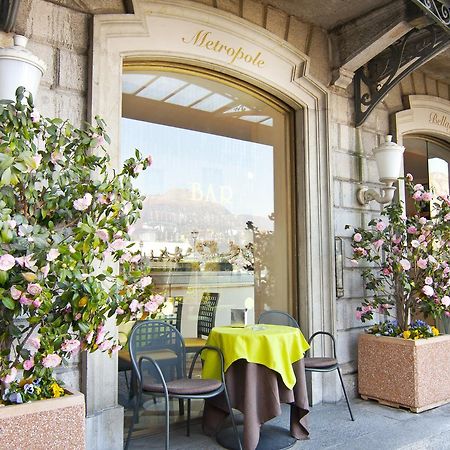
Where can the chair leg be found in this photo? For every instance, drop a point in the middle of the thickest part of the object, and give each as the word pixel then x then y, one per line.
pixel 181 406
pixel 167 421
pixel 345 394
pixel 233 421
pixel 188 427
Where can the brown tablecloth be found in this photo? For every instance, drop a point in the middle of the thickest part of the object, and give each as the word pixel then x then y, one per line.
pixel 258 392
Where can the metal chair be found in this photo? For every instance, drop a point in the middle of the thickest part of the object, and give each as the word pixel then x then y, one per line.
pixel 312 364
pixel 159 362
pixel 205 322
pixel 274 317
pixel 124 359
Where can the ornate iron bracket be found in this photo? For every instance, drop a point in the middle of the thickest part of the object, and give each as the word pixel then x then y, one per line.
pixel 438 10
pixel 376 78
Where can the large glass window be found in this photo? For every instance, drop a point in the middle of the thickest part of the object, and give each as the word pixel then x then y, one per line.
pixel 216 214
pixel 428 160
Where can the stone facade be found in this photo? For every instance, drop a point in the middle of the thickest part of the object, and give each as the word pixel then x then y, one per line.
pixel 62 37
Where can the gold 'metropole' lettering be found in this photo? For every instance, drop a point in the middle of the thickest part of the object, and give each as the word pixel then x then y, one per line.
pixel 203 39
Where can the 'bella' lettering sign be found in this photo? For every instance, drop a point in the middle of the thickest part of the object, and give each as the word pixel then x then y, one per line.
pixel 441 120
pixel 204 39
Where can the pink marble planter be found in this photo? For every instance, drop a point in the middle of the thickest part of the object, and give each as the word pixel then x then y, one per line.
pixel 57 423
pixel 404 373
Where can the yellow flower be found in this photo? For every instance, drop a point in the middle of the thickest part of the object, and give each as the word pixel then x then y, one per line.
pixel 406 334
pixel 58 391
pixel 435 331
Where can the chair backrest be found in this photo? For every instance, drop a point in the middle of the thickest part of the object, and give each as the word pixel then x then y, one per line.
pixel 274 317
pixel 178 309
pixel 162 342
pixel 207 313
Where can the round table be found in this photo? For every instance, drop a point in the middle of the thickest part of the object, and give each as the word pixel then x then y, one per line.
pixel 263 368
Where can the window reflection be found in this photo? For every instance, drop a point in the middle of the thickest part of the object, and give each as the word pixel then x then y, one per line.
pixel 215 216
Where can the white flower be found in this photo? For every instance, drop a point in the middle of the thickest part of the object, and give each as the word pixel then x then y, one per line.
pixel 52 254
pixel 428 290
pixel 83 203
pixel 126 208
pixel 119 244
pixel 145 281
pixel 102 234
pixel 405 264
pixel 7 262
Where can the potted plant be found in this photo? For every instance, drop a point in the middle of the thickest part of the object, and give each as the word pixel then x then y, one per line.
pixel 406 269
pixel 64 223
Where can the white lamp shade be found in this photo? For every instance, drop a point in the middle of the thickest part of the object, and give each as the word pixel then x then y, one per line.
pixel 389 158
pixel 19 67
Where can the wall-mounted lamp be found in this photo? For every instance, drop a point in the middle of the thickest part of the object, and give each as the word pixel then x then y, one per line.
pixel 389 161
pixel 19 67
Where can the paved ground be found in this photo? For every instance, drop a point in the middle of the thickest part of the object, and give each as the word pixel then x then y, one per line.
pixel 376 427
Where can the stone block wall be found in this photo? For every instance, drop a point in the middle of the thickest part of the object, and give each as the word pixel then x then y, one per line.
pixel 60 37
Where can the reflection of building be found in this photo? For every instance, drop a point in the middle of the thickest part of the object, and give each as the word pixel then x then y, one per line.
pixel 171 218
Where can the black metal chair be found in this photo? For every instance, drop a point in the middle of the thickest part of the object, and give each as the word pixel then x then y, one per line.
pixel 315 363
pixel 124 359
pixel 205 322
pixel 159 362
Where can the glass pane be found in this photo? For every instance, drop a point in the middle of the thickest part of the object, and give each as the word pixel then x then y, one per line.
pixel 215 214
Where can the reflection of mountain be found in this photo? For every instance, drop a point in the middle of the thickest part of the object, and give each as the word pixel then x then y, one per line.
pixel 172 216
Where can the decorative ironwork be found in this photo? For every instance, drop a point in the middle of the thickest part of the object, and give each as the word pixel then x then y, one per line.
pixel 438 10
pixel 375 79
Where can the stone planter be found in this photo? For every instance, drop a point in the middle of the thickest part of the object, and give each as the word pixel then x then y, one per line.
pixel 404 373
pixel 44 424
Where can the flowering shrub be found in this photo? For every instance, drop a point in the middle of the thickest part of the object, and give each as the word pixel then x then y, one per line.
pixel 406 260
pixel 64 223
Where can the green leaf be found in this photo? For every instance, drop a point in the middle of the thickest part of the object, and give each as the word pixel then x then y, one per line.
pixel 8 302
pixel 6 177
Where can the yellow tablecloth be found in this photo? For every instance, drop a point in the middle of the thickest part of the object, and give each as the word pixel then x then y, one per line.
pixel 274 346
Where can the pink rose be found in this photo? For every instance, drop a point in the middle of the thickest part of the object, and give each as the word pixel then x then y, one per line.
pixel 358 315
pixel 409 177
pixel 24 300
pixel 422 220
pixel 357 237
pixel 116 348
pixel 427 196
pixel 89 337
pixel 51 360
pixel 119 311
pixel 15 293
pixel 422 263
pixel 377 244
pixel 396 239
pixel 34 342
pixel 428 280
pixel 417 195
pixel 134 305
pixel 105 345
pixel 34 289
pixel 354 262
pixel 159 299
pixel 415 243
pixel 151 306
pixel 28 364
pixel 119 244
pixel 71 346
pixel 101 332
pixel 380 226
pixel 7 379
pixel 406 265
pixel 412 229
pixel 37 303
pixel 418 187
pixel 447 217
pixel 145 281
pixel 7 262
pixel 135 258
pixel 149 160
pixel 428 290
pixel 445 300
pixel 102 234
pixel 26 261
